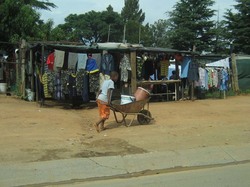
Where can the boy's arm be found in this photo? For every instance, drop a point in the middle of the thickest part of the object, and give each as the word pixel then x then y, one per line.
pixel 109 95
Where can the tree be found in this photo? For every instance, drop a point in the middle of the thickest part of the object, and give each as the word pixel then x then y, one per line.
pixel 19 19
pixel 239 26
pixel 159 32
pixel 132 12
pixel 133 18
pixel 93 26
pixel 191 26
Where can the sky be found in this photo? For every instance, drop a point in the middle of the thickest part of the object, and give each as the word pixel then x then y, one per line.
pixel 154 9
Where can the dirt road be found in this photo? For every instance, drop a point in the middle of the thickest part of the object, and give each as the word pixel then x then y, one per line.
pixel 30 133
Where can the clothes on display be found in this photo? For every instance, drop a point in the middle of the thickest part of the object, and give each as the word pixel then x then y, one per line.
pixel 81 62
pixel 125 67
pixel 59 59
pixel 91 65
pixel 107 64
pixel 213 78
pixel 185 67
pixel 224 80
pixel 50 61
pixel 93 80
pixel 164 64
pixel 193 71
pixel 72 60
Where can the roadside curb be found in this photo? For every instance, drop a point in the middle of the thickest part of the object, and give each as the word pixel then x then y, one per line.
pixel 57 171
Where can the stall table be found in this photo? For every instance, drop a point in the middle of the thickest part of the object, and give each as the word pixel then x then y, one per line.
pixel 162 82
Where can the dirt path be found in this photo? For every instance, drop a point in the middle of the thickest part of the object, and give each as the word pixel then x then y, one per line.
pixel 30 133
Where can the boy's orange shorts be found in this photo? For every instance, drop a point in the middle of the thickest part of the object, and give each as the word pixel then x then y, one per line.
pixel 104 110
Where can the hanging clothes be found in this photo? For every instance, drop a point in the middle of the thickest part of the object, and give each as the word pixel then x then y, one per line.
pixel 193 72
pixel 164 64
pixel 45 83
pixel 203 78
pixel 107 64
pixel 224 80
pixel 91 65
pixel 50 61
pixel 185 67
pixel 58 95
pixel 125 67
pixel 72 85
pixel 81 61
pixel 59 59
pixel 93 79
pixel 72 60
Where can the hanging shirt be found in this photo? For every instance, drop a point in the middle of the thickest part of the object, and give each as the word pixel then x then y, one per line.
pixel 91 65
pixel 50 61
pixel 185 67
pixel 224 80
pixel 59 58
pixel 193 72
pixel 72 60
pixel 81 61
pixel 164 68
pixel 125 67
pixel 107 64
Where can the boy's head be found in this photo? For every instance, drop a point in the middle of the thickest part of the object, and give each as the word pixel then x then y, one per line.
pixel 114 76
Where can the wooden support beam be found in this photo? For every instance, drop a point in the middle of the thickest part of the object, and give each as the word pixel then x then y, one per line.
pixel 235 82
pixel 23 57
pixel 133 71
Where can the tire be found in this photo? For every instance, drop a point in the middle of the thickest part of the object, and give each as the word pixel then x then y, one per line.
pixel 142 119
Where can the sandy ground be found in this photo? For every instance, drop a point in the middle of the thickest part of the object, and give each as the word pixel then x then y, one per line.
pixel 30 133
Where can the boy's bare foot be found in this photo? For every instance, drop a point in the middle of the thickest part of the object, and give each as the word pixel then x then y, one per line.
pixel 101 127
pixel 96 127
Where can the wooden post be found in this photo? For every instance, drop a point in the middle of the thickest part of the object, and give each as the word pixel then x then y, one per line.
pixel 23 56
pixel 133 71
pixel 235 82
pixel 32 71
pixel 17 55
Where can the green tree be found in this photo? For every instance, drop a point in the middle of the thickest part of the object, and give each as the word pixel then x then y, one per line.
pixel 191 26
pixel 19 19
pixel 159 32
pixel 133 18
pixel 238 25
pixel 93 26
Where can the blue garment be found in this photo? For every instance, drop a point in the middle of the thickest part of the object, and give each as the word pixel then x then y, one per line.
pixel 193 72
pixel 185 66
pixel 107 64
pixel 224 80
pixel 91 65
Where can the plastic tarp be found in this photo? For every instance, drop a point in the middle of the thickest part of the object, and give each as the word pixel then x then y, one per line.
pixel 220 63
pixel 243 68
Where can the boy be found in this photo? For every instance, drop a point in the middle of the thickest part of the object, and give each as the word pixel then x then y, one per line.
pixel 104 99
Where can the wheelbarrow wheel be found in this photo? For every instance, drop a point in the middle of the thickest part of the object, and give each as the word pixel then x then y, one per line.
pixel 142 119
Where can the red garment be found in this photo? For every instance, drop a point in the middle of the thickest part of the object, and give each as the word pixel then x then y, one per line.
pixel 50 61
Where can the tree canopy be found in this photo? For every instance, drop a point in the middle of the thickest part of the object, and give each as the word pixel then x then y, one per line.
pixel 238 26
pixel 19 19
pixel 191 25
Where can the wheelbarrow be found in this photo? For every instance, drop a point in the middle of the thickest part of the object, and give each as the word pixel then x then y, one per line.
pixel 136 108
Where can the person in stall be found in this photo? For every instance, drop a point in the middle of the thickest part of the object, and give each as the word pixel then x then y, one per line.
pixel 104 99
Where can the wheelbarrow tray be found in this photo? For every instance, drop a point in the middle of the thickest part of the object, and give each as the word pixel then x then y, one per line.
pixel 134 107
